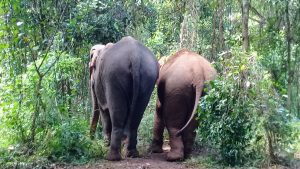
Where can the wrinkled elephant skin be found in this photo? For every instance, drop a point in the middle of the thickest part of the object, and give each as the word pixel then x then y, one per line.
pixel 179 86
pixel 123 76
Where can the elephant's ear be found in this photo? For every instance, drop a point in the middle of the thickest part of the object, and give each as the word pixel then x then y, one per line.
pixel 95 50
pixel 209 71
pixel 109 45
pixel 94 53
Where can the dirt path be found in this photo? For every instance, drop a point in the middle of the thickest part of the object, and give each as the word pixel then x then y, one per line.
pixel 153 161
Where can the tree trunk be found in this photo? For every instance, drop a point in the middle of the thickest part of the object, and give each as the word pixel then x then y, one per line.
pixel 188 29
pixel 69 100
pixel 245 19
pixel 297 94
pixel 272 156
pixel 213 39
pixel 36 111
pixel 288 64
pixel 221 26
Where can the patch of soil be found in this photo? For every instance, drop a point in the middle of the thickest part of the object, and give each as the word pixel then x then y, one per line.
pixel 153 161
pixel 150 161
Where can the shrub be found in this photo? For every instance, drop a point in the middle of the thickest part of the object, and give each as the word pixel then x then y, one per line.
pixel 242 116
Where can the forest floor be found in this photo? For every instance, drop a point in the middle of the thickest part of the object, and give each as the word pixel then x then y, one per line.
pixel 154 161
pixel 147 161
pixel 157 161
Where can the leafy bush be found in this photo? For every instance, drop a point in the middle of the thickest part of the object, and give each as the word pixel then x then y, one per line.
pixel 61 130
pixel 241 115
pixel 70 141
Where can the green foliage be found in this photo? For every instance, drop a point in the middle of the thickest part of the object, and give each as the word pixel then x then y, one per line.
pixel 165 36
pixel 60 134
pixel 99 21
pixel 70 141
pixel 66 142
pixel 204 162
pixel 241 113
pixel 44 93
pixel 225 120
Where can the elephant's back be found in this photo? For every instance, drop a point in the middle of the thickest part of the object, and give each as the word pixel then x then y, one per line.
pixel 185 65
pixel 122 58
pixel 126 59
pixel 178 71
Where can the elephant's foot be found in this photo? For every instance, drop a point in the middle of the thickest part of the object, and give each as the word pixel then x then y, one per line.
pixel 175 156
pixel 114 156
pixel 132 153
pixel 187 151
pixel 156 148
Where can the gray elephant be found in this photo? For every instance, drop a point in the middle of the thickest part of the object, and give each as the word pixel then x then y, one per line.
pixel 179 88
pixel 122 78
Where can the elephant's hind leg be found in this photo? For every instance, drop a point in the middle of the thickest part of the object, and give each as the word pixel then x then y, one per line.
pixel 189 134
pixel 118 110
pixel 177 149
pixel 94 122
pixel 116 135
pixel 158 130
pixel 174 116
pixel 188 137
pixel 142 101
pixel 96 114
pixel 106 125
pixel 131 147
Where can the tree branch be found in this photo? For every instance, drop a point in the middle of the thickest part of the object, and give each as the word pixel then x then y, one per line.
pixel 262 18
pixel 255 20
pixel 51 42
pixel 56 59
pixel 34 58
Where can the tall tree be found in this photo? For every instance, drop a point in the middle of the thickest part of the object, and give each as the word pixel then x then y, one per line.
pixel 288 63
pixel 221 25
pixel 189 33
pixel 245 26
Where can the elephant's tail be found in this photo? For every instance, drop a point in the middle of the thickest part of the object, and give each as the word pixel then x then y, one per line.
pixel 198 89
pixel 136 62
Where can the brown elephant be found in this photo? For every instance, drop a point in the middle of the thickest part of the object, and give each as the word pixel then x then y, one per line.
pixel 122 78
pixel 179 86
